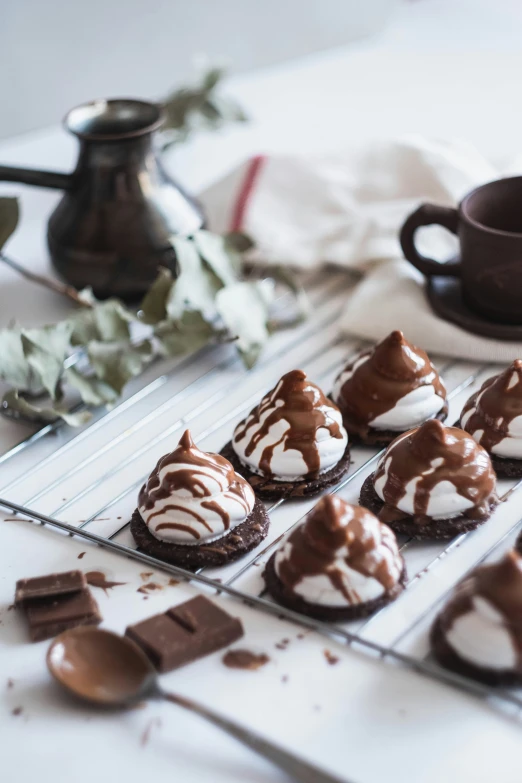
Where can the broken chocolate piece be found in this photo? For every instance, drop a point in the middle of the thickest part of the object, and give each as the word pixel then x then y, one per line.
pixel 184 633
pixel 49 617
pixel 49 586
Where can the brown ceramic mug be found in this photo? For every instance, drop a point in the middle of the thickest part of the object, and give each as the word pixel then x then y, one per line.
pixel 488 223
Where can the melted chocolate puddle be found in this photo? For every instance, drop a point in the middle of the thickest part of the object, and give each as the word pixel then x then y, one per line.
pixel 244 659
pixel 98 579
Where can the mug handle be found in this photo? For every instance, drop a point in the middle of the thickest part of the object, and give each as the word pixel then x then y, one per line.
pixel 428 215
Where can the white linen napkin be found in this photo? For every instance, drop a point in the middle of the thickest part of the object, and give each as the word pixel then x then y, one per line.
pixel 347 210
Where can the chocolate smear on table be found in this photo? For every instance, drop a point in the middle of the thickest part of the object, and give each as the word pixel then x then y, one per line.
pixel 331 658
pixel 304 407
pixel 189 479
pixel 388 372
pixel 334 526
pixel 184 633
pixel 501 585
pixel 428 455
pixel 244 659
pixel 145 737
pixel 99 579
pixel 494 406
pixel 149 587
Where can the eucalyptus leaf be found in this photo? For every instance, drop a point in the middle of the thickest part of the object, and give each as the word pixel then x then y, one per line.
pixel 213 250
pixel 18 407
pixel 201 106
pixel 196 286
pixel 301 311
pixel 45 350
pixel 9 216
pixel 14 367
pixel 153 308
pixel 187 335
pixel 116 364
pixel 244 308
pixel 105 321
pixel 91 389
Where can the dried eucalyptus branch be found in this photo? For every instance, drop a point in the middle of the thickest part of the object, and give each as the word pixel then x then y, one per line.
pixel 53 285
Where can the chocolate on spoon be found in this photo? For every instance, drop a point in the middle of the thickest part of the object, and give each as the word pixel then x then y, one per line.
pixel 112 671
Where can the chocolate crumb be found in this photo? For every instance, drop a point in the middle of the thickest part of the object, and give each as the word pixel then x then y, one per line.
pixel 81 555
pixel 145 737
pixel 172 582
pixel 300 636
pixel 146 575
pixel 283 644
pixel 10 683
pixel 330 657
pixel 17 711
pixel 149 587
pixel 284 678
pixel 244 659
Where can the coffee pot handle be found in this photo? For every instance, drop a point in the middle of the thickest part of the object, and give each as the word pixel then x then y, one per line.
pixel 41 179
pixel 428 215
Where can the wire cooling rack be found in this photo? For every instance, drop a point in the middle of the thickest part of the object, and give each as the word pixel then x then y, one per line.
pixel 85 483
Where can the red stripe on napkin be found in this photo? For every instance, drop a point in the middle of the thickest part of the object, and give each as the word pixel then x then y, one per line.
pixel 245 192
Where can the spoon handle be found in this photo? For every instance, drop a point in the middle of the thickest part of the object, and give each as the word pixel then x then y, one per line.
pixel 295 767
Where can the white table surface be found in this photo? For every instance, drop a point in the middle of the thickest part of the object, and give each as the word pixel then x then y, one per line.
pixel 446 69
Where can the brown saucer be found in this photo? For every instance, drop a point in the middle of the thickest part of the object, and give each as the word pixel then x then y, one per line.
pixel 420 527
pixel 448 658
pixel 445 297
pixel 332 614
pixel 235 544
pixel 270 489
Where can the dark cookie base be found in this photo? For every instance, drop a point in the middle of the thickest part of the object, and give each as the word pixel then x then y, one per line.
pixel 505 467
pixel 383 438
pixel 269 489
pixel 449 659
pixel 518 543
pixel 419 526
pixel 332 614
pixel 241 540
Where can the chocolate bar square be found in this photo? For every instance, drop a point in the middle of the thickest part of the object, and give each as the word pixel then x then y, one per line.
pixel 49 586
pixel 49 617
pixel 184 633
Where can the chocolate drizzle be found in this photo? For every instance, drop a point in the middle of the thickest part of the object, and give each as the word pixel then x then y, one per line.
pixel 494 406
pixel 186 475
pixel 333 531
pixel 501 585
pixel 390 371
pixel 433 453
pixel 304 407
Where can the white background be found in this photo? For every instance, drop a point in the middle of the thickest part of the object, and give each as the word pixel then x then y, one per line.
pixel 444 68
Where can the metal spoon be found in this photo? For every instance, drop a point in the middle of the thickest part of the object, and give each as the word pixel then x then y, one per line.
pixel 111 671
